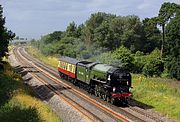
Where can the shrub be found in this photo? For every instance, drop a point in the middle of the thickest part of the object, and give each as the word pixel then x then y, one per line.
pixel 48 49
pixel 125 57
pixel 10 113
pixel 69 51
pixel 174 67
pixel 154 65
pixel 139 62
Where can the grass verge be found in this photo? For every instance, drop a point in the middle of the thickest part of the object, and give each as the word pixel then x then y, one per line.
pixel 162 94
pixel 16 101
pixel 50 60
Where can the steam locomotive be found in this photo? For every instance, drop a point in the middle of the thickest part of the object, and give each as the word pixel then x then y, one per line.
pixel 110 83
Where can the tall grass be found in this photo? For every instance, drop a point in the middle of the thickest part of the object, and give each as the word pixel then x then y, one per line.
pixel 162 94
pixel 53 61
pixel 17 103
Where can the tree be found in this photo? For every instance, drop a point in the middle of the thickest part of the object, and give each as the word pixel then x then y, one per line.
pixel 52 37
pixel 103 36
pixel 123 55
pixel 133 34
pixel 71 30
pixel 152 35
pixel 80 30
pixel 56 36
pixel 5 35
pixel 173 43
pixel 110 32
pixel 166 13
pixel 92 27
pixel 97 19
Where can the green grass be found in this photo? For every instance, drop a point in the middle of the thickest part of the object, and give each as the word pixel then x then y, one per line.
pixel 46 59
pixel 17 103
pixel 160 93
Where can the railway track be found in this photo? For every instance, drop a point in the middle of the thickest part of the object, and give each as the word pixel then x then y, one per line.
pixel 111 111
pixel 78 106
pixel 56 91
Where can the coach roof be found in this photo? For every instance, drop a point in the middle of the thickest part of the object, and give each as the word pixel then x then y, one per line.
pixel 69 60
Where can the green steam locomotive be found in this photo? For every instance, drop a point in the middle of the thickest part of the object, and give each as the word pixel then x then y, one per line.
pixel 111 83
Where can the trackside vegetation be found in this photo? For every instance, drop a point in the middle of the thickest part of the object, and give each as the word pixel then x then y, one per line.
pixel 17 101
pixel 50 60
pixel 5 35
pixel 161 93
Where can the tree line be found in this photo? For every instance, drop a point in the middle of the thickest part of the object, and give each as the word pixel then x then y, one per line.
pixel 150 46
pixel 5 35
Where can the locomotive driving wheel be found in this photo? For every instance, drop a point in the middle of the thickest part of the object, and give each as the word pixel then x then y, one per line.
pixel 112 100
pixel 108 99
pixel 104 96
pixel 96 92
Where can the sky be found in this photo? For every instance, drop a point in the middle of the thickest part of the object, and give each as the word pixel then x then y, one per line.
pixel 35 18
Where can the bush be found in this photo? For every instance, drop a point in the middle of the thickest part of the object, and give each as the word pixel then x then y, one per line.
pixel 48 49
pixel 125 57
pixel 10 113
pixel 139 62
pixel 154 65
pixel 69 51
pixel 174 67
